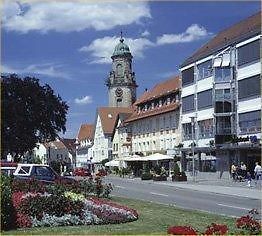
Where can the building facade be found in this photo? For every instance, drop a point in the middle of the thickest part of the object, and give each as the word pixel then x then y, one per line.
pixel 106 122
pixel 154 125
pixel 221 99
pixel 84 142
pixel 121 82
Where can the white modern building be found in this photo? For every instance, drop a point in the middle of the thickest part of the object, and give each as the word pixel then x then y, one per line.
pixel 221 99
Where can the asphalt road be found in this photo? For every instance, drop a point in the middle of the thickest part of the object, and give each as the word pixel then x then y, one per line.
pixel 185 198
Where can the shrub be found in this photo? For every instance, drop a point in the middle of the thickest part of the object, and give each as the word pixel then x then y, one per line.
pixel 28 185
pixel 216 229
pixel 146 176
pixel 7 209
pixel 181 230
pixel 249 222
pixel 57 205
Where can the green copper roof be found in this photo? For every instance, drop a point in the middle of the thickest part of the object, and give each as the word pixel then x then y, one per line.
pixel 121 48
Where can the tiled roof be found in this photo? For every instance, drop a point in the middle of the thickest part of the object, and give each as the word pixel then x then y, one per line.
pixel 55 144
pixel 108 116
pixel 244 29
pixel 153 112
pixel 86 131
pixel 160 89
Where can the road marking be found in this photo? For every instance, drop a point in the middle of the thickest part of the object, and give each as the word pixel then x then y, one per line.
pixel 160 194
pixel 120 187
pixel 248 209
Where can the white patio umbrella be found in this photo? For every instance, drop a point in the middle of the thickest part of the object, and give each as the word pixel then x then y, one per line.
pixel 158 157
pixel 113 163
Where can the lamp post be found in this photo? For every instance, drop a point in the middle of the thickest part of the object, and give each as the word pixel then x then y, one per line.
pixel 193 144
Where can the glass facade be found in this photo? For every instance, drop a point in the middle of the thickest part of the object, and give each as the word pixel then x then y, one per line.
pixel 204 99
pixel 188 103
pixel 249 53
pixel 188 76
pixel 205 128
pixel 204 70
pixel 187 131
pixel 250 122
pixel 222 74
pixel 249 87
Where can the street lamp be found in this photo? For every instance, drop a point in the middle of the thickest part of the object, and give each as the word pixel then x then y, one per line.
pixel 193 121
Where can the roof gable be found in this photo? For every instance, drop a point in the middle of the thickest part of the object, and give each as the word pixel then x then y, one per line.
pixel 109 115
pixel 86 131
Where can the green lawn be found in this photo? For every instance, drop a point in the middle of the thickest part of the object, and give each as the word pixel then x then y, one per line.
pixel 153 219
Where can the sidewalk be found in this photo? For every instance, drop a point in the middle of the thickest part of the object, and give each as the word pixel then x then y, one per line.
pixel 219 186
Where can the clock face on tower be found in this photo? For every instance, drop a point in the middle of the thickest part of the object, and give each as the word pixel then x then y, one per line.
pixel 119 92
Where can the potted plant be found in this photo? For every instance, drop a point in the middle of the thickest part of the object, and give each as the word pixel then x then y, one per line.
pixel 146 173
pixel 160 176
pixel 178 176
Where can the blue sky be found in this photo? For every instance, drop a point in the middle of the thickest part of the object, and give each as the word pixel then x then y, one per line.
pixel 68 44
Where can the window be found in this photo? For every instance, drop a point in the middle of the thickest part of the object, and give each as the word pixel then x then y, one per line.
pixel 43 171
pixel 187 131
pixel 249 87
pixel 24 170
pixel 204 99
pixel 249 53
pixel 222 74
pixel 204 70
pixel 188 103
pixel 223 125
pixel 223 107
pixel 205 128
pixel 119 70
pixel 249 122
pixel 188 76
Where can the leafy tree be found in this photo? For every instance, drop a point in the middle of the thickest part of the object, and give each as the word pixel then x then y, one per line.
pixel 30 113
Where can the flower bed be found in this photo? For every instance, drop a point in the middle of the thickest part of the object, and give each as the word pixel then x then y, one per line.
pixel 44 209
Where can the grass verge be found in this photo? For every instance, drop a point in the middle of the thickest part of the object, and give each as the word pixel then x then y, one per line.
pixel 154 219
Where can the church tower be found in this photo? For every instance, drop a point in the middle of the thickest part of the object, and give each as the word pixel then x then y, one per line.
pixel 121 81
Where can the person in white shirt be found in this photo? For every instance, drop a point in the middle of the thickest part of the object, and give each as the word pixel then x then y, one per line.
pixel 258 172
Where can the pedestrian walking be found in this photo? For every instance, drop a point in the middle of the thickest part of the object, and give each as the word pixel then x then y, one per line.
pixel 249 179
pixel 258 172
pixel 243 168
pixel 233 171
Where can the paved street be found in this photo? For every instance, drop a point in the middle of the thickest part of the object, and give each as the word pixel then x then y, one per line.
pixel 190 196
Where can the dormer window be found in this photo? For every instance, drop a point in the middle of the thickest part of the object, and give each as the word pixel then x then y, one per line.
pixel 168 100
pixel 152 105
pixel 160 103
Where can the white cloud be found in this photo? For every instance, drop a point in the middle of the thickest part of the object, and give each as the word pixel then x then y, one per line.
pixel 102 49
pixel 192 33
pixel 84 100
pixel 46 69
pixel 68 16
pixel 146 33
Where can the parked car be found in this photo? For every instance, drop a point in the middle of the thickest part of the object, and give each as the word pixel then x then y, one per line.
pixel 8 168
pixel 43 173
pixel 81 171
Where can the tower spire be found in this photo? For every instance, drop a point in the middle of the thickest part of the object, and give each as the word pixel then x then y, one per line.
pixel 121 37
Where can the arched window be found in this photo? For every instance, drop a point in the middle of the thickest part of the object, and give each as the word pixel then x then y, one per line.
pixel 119 69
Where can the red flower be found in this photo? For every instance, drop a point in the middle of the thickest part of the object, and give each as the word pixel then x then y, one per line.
pixel 23 221
pixel 181 230
pixel 17 199
pixel 216 229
